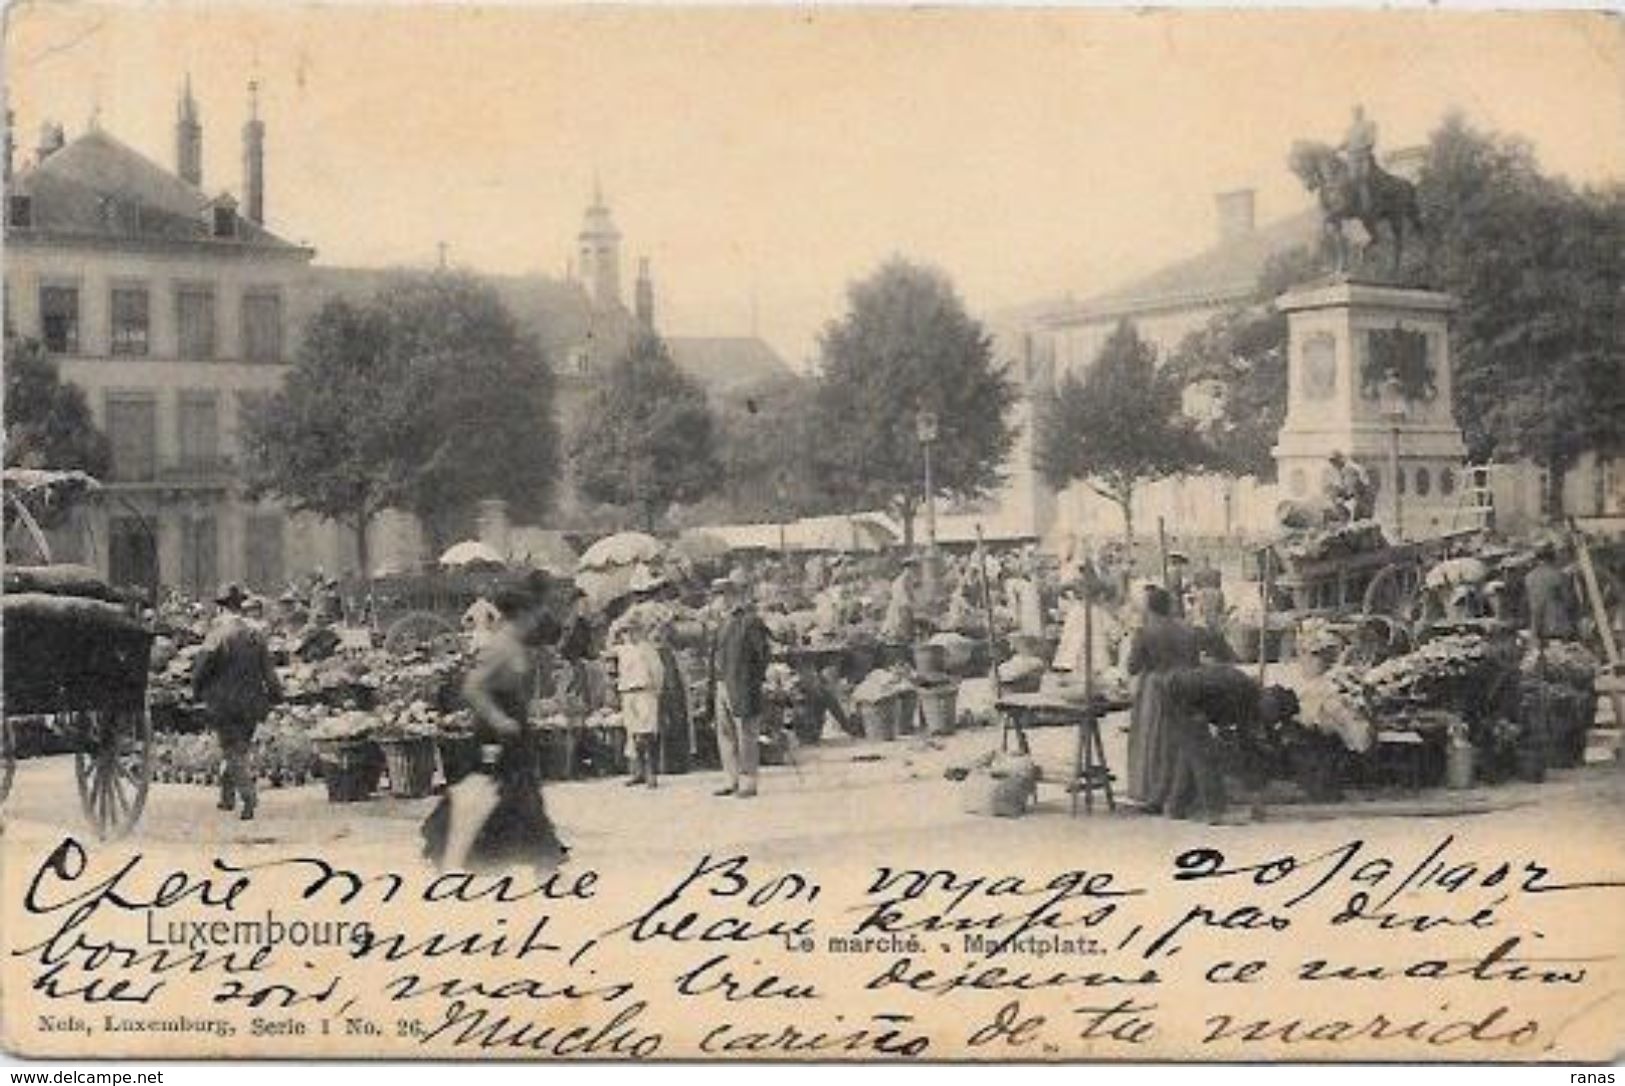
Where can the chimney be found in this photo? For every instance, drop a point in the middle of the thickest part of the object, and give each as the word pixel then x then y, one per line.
pixel 254 158
pixel 1235 210
pixel 51 140
pixel 645 298
pixel 188 138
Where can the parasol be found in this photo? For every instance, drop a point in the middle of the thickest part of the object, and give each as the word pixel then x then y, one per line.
pixel 470 552
pixel 622 549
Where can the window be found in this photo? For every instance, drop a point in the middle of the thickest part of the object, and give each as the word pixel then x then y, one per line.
pixel 199 430
pixel 59 319
pixel 130 324
pixel 132 430
pixel 21 212
pixel 1424 482
pixel 225 222
pixel 200 539
pixel 194 320
pixel 1447 482
pixel 132 553
pixel 262 327
pixel 1375 475
pixel 262 551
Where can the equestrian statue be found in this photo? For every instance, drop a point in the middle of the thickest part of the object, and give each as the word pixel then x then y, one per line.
pixel 1350 185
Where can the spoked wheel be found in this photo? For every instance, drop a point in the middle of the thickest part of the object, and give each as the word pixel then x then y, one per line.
pixel 113 768
pixel 8 757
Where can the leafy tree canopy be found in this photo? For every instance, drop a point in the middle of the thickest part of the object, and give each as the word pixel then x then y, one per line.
pixel 48 421
pixel 1117 426
pixel 646 438
pixel 907 345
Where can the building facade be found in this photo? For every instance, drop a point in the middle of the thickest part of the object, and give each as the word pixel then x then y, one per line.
pixel 174 309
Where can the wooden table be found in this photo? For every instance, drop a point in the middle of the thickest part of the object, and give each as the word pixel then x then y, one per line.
pixel 1089 769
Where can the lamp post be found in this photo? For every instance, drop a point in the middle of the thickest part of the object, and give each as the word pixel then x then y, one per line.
pixel 925 428
pixel 1393 410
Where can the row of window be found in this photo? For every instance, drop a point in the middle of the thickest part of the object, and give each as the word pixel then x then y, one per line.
pixel 133 554
pixel 131 425
pixel 1419 480
pixel 129 333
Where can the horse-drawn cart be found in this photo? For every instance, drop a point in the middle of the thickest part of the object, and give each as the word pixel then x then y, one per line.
pixel 76 663
pixel 1381 580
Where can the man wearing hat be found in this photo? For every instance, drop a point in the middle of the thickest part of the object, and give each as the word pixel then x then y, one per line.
pixel 743 652
pixel 235 680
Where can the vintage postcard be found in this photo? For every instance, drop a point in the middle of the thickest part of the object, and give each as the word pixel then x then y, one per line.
pixel 767 533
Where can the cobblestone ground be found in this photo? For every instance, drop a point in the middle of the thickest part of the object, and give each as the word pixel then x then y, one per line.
pixel 842 799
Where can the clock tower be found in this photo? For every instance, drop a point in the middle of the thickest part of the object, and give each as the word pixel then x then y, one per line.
pixel 1369 376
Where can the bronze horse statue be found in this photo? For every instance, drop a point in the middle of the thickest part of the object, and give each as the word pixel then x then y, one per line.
pixel 1390 200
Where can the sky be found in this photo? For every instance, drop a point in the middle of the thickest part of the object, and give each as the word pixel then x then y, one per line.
pixel 763 159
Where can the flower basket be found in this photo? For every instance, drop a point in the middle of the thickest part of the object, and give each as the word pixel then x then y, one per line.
pixel 879 721
pixel 410 761
pixel 459 755
pixel 940 706
pixel 905 707
pixel 350 769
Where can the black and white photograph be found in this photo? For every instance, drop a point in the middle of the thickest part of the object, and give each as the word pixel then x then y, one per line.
pixel 797 533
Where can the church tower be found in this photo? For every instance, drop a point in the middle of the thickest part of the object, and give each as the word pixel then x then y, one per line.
pixel 599 253
pixel 188 138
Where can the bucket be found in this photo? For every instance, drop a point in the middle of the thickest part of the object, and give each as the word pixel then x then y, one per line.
pixel 940 705
pixel 350 770
pixel 879 723
pixel 905 708
pixel 1458 766
pixel 411 766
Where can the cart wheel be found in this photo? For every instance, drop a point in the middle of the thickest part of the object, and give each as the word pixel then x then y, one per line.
pixel 114 768
pixel 1392 592
pixel 415 630
pixel 8 757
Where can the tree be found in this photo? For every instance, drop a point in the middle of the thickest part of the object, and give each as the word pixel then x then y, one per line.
pixel 1244 351
pixel 48 422
pixel 329 442
pixel 907 345
pixel 425 397
pixel 1117 426
pixel 1535 264
pixel 477 417
pixel 646 437
pixel 768 442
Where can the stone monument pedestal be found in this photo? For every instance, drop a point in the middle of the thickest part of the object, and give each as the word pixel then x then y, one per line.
pixel 1369 376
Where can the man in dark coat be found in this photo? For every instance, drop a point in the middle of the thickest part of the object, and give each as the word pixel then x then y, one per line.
pixel 743 652
pixel 236 681
pixel 1551 607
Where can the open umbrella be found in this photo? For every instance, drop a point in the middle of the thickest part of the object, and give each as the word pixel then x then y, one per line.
pixel 470 552
pixel 622 549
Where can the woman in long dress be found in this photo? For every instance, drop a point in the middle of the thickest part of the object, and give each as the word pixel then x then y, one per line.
pixel 1161 646
pixel 516 831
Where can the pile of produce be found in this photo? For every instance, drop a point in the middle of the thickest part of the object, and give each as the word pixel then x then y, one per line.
pixel 283 755
pixel 1441 673
pixel 1357 537
pixel 879 685
pixel 1560 707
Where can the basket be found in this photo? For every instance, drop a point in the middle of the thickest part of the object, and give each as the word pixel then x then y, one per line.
pixel 459 756
pixel 879 721
pixel 350 769
pixel 930 659
pixel 410 761
pixel 555 751
pixel 940 706
pixel 905 707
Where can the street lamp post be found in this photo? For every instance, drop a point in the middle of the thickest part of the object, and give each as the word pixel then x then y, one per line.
pixel 1393 410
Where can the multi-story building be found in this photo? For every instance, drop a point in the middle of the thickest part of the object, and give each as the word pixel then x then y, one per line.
pixel 173 307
